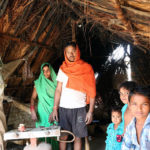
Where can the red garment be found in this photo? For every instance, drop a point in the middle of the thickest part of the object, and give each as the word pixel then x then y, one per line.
pixel 80 76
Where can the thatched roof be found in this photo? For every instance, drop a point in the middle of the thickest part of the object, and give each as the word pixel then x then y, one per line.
pixel 129 19
pixel 36 30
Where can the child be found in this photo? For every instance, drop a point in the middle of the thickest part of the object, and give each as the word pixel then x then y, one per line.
pixel 114 131
pixel 124 91
pixel 137 135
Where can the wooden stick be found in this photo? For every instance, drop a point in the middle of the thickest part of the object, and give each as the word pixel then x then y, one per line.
pixel 94 7
pixel 77 12
pixel 4 6
pixel 135 11
pixel 48 7
pixel 18 104
pixel 126 22
pixel 73 30
pixel 87 145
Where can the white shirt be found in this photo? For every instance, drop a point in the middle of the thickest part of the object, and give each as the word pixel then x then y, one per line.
pixel 70 98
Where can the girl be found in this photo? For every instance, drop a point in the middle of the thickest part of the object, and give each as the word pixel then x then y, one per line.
pixel 114 130
pixel 124 91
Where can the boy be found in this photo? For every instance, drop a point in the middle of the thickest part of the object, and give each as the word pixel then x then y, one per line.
pixel 137 135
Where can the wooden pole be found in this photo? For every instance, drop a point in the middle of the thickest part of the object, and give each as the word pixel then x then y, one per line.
pixel 73 24
pixel 127 23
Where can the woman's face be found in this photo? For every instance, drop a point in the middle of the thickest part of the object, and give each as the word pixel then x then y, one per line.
pixel 46 72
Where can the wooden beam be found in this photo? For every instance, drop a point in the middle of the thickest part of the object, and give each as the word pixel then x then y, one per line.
pixel 136 11
pixel 17 104
pixel 127 23
pixel 77 12
pixel 94 7
pixel 73 24
pixel 19 40
pixel 3 6
pixel 40 22
pixel 61 30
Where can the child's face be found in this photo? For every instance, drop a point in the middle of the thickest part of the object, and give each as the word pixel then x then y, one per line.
pixel 124 93
pixel 140 106
pixel 116 117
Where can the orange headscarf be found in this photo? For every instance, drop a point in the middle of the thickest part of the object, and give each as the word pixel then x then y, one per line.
pixel 80 76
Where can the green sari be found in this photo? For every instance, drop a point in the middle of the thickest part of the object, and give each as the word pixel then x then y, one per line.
pixel 45 89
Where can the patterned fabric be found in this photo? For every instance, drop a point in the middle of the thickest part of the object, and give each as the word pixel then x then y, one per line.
pixel 112 137
pixel 130 138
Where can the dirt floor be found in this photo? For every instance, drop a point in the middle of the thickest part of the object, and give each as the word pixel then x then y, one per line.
pixel 98 143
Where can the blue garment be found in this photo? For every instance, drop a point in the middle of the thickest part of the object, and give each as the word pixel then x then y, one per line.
pixel 124 108
pixel 111 141
pixel 130 138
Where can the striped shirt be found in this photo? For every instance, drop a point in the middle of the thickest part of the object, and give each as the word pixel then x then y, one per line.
pixel 130 139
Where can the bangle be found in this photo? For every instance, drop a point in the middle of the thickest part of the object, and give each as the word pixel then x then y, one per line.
pixel 32 107
pixel 55 107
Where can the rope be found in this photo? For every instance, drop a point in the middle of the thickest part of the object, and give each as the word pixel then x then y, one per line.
pixel 70 141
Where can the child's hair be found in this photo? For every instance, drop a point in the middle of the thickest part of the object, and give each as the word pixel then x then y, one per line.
pixel 116 109
pixel 141 90
pixel 128 85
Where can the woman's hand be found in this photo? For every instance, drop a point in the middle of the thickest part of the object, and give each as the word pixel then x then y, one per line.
pixel 33 115
pixel 32 109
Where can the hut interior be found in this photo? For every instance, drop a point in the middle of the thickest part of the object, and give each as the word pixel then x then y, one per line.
pixel 35 31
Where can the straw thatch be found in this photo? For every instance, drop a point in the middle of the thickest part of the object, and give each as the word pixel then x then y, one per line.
pixel 36 30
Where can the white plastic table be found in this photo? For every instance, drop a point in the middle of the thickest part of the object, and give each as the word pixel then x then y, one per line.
pixel 33 133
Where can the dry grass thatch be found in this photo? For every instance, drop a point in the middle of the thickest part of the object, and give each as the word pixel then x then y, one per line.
pixel 35 30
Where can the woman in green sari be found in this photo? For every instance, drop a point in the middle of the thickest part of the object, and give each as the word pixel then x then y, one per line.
pixel 44 89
